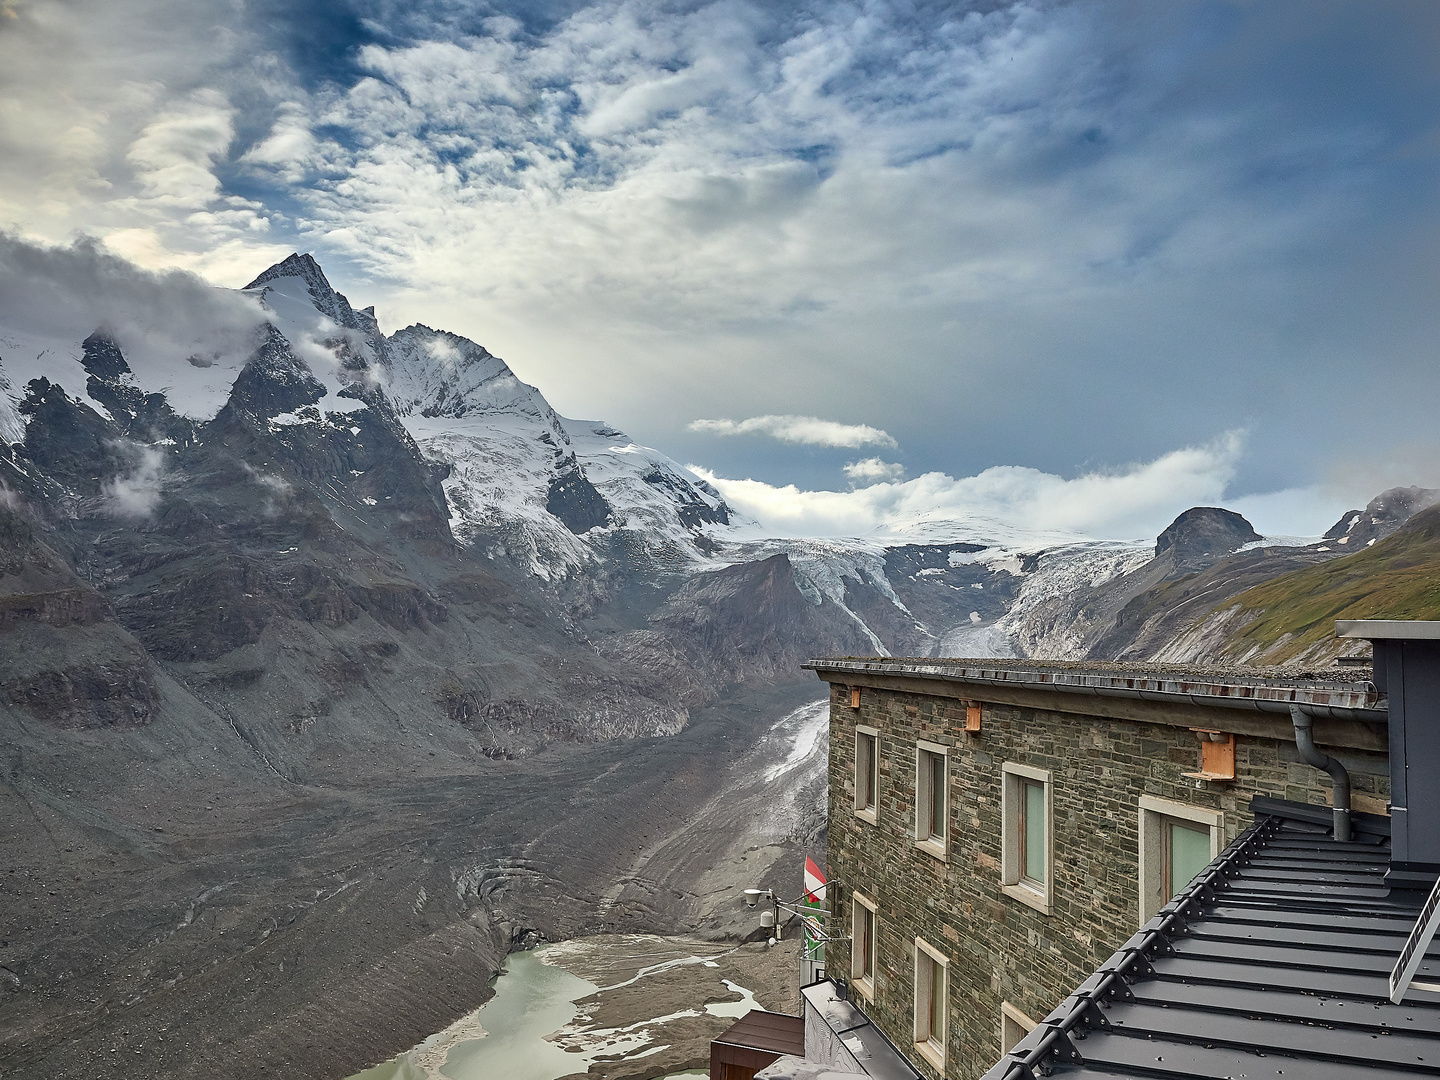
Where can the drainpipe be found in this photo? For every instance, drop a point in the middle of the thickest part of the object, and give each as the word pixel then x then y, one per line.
pixel 1303 721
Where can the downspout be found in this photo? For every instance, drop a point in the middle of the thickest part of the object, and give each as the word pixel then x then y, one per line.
pixel 1302 719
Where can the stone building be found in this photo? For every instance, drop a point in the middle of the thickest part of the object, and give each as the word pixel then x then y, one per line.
pixel 999 828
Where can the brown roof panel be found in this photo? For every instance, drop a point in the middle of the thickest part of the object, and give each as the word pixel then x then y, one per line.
pixel 761 1030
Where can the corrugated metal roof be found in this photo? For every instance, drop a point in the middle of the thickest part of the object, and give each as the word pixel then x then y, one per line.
pixel 1272 963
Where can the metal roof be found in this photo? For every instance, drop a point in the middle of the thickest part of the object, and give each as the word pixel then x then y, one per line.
pixel 1387 629
pixel 762 1030
pixel 1272 963
pixel 865 1042
pixel 1335 692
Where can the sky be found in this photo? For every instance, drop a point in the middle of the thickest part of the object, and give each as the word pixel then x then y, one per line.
pixel 1081 264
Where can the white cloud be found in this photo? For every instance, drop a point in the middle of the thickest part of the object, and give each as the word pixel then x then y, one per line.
pixel 54 297
pixel 136 494
pixel 872 470
pixel 291 149
pixel 732 208
pixel 809 430
pixel 1137 501
pixel 116 120
pixel 174 157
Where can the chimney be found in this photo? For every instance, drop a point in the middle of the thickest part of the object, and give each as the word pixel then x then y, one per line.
pixel 1407 673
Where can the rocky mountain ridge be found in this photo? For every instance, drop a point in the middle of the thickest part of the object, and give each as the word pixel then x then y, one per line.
pixel 1205 559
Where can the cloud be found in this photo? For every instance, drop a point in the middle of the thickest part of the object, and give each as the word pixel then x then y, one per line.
pixel 809 430
pixel 120 123
pixel 1137 501
pixel 136 494
pixel 873 471
pixel 52 298
pixel 174 157
pixel 968 223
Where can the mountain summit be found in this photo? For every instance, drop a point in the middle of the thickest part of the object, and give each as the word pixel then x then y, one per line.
pixel 322 294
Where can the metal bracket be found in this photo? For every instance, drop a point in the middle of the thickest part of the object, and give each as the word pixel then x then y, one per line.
pixel 1061 1051
pixel 1093 1015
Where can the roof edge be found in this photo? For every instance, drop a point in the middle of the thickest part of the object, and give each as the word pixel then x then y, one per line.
pixel 1388 629
pixel 1351 701
pixel 1263 806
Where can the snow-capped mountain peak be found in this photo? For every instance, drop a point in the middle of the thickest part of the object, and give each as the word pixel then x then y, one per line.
pixel 321 293
pixel 524 482
pixel 435 373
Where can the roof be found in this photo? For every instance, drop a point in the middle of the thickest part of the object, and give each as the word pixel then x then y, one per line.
pixel 761 1030
pixel 865 1042
pixel 1274 962
pixel 1270 689
pixel 1387 629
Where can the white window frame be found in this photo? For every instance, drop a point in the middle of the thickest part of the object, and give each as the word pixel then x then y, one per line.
pixel 1014 1026
pixel 1012 802
pixel 870 812
pixel 927 1045
pixel 863 982
pixel 938 846
pixel 1153 812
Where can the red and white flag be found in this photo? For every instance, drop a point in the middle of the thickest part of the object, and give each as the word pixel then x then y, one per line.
pixel 814 883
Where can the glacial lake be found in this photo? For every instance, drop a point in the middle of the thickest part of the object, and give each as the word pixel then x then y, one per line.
pixel 506 1037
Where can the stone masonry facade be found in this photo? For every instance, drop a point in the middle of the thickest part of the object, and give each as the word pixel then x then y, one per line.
pixel 998 948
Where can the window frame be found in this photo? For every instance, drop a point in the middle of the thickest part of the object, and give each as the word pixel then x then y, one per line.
pixel 868 811
pixel 1013 1022
pixel 927 960
pixel 925 837
pixel 859 978
pixel 1013 882
pixel 1154 850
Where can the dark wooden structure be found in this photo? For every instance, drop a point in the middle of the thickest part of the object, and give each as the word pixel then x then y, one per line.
pixel 754 1041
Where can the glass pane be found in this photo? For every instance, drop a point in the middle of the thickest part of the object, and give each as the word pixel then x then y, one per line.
pixel 937 1001
pixel 937 795
pixel 1189 854
pixel 1034 868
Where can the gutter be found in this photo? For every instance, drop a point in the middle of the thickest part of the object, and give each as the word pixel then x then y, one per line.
pixel 1255 696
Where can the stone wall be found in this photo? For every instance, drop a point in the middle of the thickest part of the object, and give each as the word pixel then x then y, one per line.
pixel 1000 949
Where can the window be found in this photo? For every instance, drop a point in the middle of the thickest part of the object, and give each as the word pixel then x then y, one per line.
pixel 1027 849
pixel 1176 843
pixel 867 772
pixel 931 798
pixel 1014 1026
pixel 862 945
pixel 931 978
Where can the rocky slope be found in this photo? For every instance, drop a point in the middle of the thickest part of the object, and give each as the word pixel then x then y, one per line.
pixel 281 640
pixel 336 664
pixel 1200 564
pixel 1291 618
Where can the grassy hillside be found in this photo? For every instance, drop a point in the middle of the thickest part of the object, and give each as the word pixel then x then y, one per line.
pixel 1294 614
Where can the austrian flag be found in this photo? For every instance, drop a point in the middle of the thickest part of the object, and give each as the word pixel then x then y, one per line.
pixel 814 883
